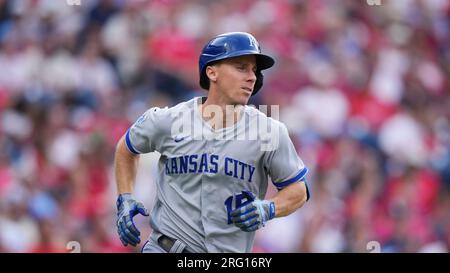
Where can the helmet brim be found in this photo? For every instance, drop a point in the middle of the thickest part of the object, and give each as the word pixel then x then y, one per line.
pixel 262 61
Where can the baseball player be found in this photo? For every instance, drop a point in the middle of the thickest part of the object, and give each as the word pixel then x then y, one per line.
pixel 211 188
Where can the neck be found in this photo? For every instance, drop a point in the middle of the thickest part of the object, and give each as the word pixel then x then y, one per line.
pixel 219 112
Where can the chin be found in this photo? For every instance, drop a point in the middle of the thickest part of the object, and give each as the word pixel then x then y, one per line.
pixel 240 98
pixel 243 100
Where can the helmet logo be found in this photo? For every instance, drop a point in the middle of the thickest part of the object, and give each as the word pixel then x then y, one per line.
pixel 253 42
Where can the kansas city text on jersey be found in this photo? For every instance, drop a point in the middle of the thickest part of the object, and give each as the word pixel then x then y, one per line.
pixel 209 163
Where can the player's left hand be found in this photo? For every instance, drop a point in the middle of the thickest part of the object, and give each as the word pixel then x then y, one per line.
pixel 127 208
pixel 253 215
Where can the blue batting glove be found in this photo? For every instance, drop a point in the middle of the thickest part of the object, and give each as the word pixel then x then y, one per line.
pixel 127 208
pixel 254 215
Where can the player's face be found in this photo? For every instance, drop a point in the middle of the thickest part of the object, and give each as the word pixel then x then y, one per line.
pixel 236 79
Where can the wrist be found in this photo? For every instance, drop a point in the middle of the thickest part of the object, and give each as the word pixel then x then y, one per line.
pixel 271 212
pixel 123 197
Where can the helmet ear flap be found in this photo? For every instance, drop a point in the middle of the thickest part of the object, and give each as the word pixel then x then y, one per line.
pixel 259 81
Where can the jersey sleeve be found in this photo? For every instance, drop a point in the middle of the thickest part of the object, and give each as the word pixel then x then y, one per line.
pixel 144 135
pixel 283 163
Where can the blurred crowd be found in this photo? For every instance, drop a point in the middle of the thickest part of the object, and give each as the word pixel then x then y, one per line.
pixel 364 91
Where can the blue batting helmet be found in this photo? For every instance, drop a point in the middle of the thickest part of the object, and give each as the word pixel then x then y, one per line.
pixel 233 44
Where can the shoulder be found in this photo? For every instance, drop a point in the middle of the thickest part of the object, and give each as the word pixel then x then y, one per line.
pixel 257 115
pixel 182 107
pixel 167 113
pixel 165 119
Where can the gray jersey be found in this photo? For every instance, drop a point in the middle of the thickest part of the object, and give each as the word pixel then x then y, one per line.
pixel 202 178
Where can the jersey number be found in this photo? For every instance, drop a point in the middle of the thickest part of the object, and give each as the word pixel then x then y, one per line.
pixel 241 199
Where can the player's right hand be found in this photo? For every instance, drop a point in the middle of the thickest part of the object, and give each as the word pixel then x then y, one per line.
pixel 127 208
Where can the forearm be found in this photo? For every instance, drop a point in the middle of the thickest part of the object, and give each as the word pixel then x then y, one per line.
pixel 290 199
pixel 125 167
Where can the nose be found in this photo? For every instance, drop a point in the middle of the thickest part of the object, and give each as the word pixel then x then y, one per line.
pixel 252 77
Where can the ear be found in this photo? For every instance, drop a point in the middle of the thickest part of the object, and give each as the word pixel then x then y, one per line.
pixel 211 73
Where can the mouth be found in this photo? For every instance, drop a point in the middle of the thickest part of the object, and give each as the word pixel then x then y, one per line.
pixel 248 89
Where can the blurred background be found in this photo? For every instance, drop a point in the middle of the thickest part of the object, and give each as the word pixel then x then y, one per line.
pixel 364 91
